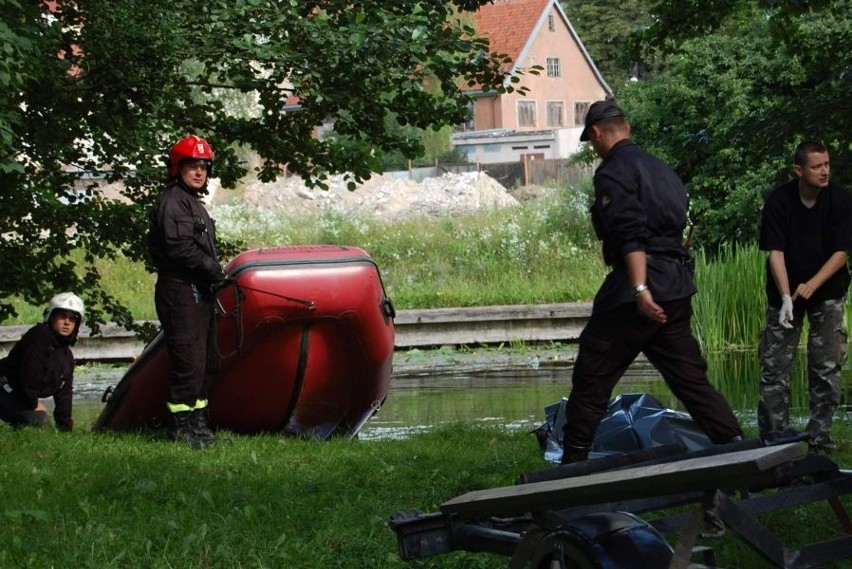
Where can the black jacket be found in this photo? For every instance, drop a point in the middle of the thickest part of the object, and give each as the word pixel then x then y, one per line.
pixel 41 365
pixel 182 237
pixel 640 205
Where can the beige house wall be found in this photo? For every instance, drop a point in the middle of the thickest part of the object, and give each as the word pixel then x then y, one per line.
pixel 577 81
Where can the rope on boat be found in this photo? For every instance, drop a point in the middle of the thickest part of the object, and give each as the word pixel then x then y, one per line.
pixel 310 304
pixel 237 310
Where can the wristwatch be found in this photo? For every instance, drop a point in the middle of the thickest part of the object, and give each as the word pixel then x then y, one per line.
pixel 638 289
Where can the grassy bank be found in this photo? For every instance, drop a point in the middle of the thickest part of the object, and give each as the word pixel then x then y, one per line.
pixel 538 252
pixel 535 253
pixel 98 500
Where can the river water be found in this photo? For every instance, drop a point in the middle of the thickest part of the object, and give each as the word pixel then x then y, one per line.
pixel 508 387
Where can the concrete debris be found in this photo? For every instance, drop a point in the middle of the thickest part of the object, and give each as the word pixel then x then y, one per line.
pixel 382 196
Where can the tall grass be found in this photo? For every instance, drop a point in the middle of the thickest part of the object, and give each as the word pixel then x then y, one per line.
pixel 730 307
pixel 125 279
pixel 731 302
pixel 533 253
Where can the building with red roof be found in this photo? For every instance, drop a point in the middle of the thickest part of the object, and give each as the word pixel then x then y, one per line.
pixel 546 121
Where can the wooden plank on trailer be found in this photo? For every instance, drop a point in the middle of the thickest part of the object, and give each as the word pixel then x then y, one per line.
pixel 729 470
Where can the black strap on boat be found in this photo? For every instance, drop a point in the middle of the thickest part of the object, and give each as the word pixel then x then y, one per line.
pixel 299 380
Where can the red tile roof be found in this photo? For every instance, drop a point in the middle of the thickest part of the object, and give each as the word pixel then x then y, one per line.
pixel 508 24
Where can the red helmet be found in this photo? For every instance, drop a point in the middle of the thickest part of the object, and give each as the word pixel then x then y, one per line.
pixel 189 148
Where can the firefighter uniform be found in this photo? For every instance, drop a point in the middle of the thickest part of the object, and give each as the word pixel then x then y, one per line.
pixel 182 246
pixel 40 365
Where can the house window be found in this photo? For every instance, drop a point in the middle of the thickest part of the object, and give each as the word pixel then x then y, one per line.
pixel 580 110
pixel 555 113
pixel 470 123
pixel 553 69
pixel 526 113
pixel 551 23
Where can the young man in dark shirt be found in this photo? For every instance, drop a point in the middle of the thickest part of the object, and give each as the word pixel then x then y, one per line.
pixel 807 230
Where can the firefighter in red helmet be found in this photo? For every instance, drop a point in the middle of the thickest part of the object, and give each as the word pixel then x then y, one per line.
pixel 182 245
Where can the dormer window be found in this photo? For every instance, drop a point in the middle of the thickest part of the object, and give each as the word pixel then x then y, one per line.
pixel 553 67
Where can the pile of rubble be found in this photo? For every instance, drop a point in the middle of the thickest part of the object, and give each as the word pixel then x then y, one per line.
pixel 382 196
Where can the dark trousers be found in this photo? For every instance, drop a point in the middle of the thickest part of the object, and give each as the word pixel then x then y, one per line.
pixel 608 345
pixel 14 412
pixel 188 319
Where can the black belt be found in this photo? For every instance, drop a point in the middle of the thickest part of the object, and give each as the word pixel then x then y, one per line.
pixel 176 278
pixel 673 258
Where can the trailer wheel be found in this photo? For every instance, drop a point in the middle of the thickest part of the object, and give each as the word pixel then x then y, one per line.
pixel 561 550
pixel 604 539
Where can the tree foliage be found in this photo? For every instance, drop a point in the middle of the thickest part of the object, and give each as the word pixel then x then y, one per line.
pixel 743 82
pixel 608 29
pixel 98 90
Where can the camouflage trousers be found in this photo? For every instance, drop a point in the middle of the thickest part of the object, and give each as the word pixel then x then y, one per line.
pixel 827 348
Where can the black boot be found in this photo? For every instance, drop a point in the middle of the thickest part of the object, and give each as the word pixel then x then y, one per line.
pixel 200 424
pixel 181 430
pixel 572 453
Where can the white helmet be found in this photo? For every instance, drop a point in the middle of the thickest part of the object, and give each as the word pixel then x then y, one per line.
pixel 65 301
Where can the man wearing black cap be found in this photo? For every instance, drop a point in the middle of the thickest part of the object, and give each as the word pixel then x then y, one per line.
pixel 644 304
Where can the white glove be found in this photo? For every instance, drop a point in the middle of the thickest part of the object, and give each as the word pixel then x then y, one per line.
pixel 785 315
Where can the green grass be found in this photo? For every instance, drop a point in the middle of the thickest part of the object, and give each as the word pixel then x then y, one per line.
pixel 104 500
pixel 100 500
pixel 730 307
pixel 534 253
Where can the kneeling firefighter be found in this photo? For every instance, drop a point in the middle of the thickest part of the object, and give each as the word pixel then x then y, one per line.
pixel 41 365
pixel 182 245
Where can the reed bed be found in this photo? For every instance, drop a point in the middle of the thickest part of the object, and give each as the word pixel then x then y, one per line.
pixel 731 302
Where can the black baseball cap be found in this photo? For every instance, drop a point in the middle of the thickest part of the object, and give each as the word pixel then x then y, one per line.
pixel 599 111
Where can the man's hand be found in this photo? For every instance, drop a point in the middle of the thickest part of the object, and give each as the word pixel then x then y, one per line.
pixel 804 290
pixel 650 309
pixel 785 315
pixel 221 282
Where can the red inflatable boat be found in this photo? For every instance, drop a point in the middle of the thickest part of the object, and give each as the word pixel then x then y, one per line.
pixel 306 342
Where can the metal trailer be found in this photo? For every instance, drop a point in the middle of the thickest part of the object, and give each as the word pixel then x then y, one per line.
pixel 586 515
